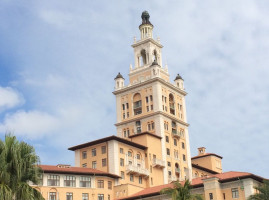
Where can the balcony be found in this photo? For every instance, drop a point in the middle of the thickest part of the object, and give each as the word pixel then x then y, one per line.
pixel 172 178
pixel 137 104
pixel 158 163
pixel 175 133
pixel 177 170
pixel 137 171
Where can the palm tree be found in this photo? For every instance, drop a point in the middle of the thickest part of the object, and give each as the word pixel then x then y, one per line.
pixel 18 166
pixel 179 192
pixel 263 192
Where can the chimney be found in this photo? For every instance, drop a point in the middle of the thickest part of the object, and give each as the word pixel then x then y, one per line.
pixel 201 151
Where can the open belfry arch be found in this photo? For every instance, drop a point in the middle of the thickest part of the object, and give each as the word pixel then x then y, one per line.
pixel 151 108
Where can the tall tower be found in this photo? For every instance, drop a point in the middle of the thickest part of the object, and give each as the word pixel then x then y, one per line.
pixel 151 104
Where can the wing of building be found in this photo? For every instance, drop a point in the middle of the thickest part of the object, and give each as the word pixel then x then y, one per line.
pixel 151 148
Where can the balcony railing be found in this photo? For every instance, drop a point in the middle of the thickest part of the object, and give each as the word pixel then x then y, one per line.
pixel 177 170
pixel 172 178
pixel 137 104
pixel 139 171
pixel 158 163
pixel 176 133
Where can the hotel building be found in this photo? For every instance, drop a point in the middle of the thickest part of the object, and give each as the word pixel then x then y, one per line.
pixel 151 148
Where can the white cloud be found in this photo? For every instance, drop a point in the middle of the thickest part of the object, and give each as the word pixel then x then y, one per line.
pixel 9 98
pixel 32 124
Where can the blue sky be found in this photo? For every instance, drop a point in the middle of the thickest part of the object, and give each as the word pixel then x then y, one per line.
pixel 58 60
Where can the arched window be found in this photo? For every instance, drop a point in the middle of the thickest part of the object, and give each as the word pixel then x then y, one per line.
pixel 130 153
pixel 137 104
pixel 172 104
pixel 155 56
pixel 143 58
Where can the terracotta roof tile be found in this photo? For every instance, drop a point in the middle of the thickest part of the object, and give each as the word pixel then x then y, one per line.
pixel 196 182
pixel 75 170
pixel 206 154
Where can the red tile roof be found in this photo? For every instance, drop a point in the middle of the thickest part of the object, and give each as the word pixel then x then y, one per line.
pixel 196 182
pixel 204 169
pixel 206 154
pixel 113 137
pixel 75 171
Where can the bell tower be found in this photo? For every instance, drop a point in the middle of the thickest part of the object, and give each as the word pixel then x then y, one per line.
pixel 151 104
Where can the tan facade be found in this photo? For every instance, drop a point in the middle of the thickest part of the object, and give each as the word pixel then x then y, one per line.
pixel 151 148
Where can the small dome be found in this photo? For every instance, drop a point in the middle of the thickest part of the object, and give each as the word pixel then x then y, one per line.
pixel 178 77
pixel 145 15
pixel 119 76
pixel 145 18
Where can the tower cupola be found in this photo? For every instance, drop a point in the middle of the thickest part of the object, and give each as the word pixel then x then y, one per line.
pixel 119 81
pixel 179 82
pixel 145 27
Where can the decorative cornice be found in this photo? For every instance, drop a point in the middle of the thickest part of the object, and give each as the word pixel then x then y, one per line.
pixel 150 81
pixel 153 114
pixel 145 41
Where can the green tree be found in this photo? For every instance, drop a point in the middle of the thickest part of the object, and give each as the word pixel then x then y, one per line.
pixel 18 166
pixel 263 192
pixel 179 192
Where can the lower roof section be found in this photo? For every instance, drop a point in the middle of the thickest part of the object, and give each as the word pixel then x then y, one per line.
pixel 66 169
pixel 106 139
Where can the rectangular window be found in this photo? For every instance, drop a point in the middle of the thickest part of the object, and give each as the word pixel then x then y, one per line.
pixel 123 116
pixel 128 132
pixel 168 164
pixel 108 197
pixel 224 196
pixel 103 149
pixel 104 162
pixel 127 106
pixel 211 196
pixel 70 181
pixel 138 156
pixel 168 151
pixel 101 197
pixel 85 181
pixel 84 154
pixel 94 152
pixel 151 180
pixel 235 193
pixel 85 196
pixel 167 139
pixel 176 154
pixel 127 114
pixel 123 107
pixel 52 196
pixel 165 99
pixel 100 184
pixel 122 162
pixel 175 142
pixel 152 125
pixel 84 165
pixel 147 99
pixel 94 164
pixel 151 107
pixel 151 98
pixel 53 180
pixel 184 157
pixel 122 175
pixel 69 196
pixel 130 154
pixel 149 127
pixel 147 108
pixel 131 177
pixel 109 185
pixel 140 179
pixel 121 150
pixel 183 145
